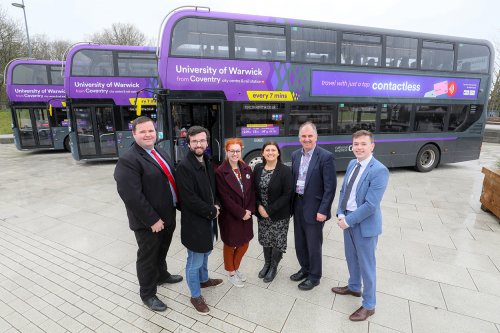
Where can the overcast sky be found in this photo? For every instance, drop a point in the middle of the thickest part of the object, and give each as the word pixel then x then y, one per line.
pixel 74 20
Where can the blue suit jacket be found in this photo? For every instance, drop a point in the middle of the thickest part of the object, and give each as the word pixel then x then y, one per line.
pixel 321 183
pixel 369 193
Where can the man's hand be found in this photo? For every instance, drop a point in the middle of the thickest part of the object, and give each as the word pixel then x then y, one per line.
pixel 218 210
pixel 320 217
pixel 158 226
pixel 341 223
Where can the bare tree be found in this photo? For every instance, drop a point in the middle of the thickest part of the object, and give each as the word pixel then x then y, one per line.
pixel 44 48
pixel 12 45
pixel 494 102
pixel 119 34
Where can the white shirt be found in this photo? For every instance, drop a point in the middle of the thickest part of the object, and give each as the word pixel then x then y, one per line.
pixel 351 202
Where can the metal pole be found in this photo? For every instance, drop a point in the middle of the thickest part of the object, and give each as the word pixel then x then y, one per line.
pixel 26 24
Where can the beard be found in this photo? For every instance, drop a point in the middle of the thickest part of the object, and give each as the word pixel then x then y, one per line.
pixel 199 152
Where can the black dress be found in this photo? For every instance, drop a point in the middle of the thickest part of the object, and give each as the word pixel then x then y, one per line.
pixel 271 233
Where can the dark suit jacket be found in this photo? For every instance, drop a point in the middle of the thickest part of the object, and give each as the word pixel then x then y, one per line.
pixel 279 192
pixel 198 197
pixel 233 230
pixel 321 183
pixel 144 188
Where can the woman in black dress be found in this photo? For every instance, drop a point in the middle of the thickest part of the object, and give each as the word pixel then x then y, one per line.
pixel 274 189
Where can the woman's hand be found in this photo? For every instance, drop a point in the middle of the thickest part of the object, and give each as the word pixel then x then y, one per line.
pixel 262 212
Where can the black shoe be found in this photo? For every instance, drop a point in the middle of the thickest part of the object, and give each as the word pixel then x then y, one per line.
pixel 267 261
pixel 155 304
pixel 299 276
pixel 171 279
pixel 308 284
pixel 276 258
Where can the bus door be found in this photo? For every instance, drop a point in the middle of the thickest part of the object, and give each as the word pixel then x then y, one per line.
pixel 34 128
pixel 95 131
pixel 187 114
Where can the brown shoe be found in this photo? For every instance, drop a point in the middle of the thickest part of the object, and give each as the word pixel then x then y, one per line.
pixel 361 314
pixel 200 305
pixel 211 283
pixel 346 291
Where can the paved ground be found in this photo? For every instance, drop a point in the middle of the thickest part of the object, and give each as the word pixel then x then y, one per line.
pixel 67 260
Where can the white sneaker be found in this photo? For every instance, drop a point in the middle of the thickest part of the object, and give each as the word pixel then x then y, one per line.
pixel 235 280
pixel 241 275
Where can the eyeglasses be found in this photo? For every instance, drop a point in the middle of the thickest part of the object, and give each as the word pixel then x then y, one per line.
pixel 234 152
pixel 198 142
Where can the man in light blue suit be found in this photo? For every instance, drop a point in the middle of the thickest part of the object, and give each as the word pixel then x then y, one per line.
pixel 360 217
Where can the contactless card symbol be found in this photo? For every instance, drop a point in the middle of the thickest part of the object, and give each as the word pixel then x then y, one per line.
pixel 452 89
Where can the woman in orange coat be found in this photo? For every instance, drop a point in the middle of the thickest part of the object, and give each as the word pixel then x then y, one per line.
pixel 235 189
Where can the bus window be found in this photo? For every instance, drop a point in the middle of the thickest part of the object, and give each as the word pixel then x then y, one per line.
pixel 355 117
pixel 313 45
pixel 365 50
pixel 260 120
pixel 29 74
pixel 395 118
pixel 260 42
pixel 437 56
pixel 197 37
pixel 429 118
pixel 56 76
pixel 400 52
pixel 320 115
pixel 141 64
pixel 462 116
pixel 473 58
pixel 92 63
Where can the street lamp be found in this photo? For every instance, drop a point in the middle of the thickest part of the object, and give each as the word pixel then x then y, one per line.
pixel 21 5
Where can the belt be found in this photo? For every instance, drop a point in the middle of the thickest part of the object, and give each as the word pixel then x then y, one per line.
pixel 299 195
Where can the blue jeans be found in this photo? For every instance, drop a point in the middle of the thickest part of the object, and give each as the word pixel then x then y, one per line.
pixel 196 271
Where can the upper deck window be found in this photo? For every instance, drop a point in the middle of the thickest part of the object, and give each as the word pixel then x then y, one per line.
pixel 142 64
pixel 401 52
pixel 56 75
pixel 259 42
pixel 30 74
pixel 92 63
pixel 314 45
pixel 195 37
pixel 361 50
pixel 473 58
pixel 437 56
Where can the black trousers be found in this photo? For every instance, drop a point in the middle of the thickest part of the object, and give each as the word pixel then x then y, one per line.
pixel 308 242
pixel 151 258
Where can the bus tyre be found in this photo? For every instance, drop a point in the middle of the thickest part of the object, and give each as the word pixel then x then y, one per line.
pixel 427 158
pixel 67 145
pixel 253 158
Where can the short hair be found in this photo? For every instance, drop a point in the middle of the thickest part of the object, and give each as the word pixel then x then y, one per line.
pixel 140 120
pixel 360 133
pixel 270 143
pixel 194 130
pixel 308 123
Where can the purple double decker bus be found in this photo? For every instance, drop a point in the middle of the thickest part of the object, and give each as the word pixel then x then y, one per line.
pixel 260 78
pixel 102 84
pixel 36 98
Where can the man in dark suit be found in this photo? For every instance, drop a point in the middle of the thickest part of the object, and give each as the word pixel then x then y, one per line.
pixel 315 182
pixel 360 217
pixel 145 181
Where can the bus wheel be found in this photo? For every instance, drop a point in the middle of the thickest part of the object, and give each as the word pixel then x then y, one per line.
pixel 427 158
pixel 253 159
pixel 67 145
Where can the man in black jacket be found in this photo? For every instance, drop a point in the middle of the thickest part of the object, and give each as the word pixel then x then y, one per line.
pixel 145 181
pixel 196 179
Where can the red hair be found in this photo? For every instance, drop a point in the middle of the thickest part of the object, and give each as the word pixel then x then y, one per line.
pixel 234 141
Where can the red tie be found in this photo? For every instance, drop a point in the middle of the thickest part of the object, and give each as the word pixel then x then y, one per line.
pixel 165 170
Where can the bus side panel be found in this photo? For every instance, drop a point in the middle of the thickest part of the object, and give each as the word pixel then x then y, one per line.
pixel 467 149
pixel 124 141
pixel 59 134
